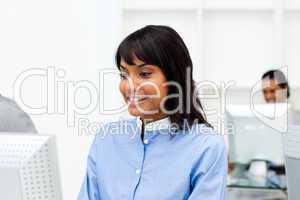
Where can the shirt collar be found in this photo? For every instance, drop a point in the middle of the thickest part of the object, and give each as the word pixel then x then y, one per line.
pixel 161 124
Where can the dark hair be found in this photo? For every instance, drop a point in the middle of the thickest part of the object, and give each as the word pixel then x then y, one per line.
pixel 279 77
pixel 162 46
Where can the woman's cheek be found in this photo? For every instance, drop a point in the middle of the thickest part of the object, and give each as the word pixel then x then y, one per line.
pixel 122 87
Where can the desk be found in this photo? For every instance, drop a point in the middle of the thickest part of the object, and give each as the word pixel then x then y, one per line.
pixel 241 186
pixel 235 193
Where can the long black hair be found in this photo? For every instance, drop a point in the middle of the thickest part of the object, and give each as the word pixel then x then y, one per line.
pixel 162 46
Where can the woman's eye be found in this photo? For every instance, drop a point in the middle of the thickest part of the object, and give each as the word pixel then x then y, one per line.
pixel 123 75
pixel 145 74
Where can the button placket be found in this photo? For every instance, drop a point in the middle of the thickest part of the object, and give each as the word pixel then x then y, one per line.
pixel 137 171
pixel 146 141
pixel 139 167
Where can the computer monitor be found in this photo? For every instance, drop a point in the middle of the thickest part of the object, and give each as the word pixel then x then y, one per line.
pixel 291 145
pixel 250 138
pixel 28 167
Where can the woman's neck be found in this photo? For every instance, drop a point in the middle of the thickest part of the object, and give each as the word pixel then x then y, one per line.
pixel 146 120
pixel 149 119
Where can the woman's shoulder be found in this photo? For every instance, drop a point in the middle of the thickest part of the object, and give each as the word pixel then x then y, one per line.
pixel 205 137
pixel 209 147
pixel 117 127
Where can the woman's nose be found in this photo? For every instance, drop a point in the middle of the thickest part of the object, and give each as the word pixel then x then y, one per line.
pixel 132 85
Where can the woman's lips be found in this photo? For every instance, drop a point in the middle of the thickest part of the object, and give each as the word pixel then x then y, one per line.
pixel 132 101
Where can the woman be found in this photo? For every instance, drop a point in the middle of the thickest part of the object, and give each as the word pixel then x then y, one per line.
pixel 168 151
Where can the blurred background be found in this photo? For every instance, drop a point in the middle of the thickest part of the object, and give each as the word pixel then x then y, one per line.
pixel 52 54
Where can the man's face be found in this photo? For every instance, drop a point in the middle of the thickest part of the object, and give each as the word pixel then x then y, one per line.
pixel 273 92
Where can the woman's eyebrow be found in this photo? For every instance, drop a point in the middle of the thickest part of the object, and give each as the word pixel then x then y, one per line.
pixel 137 65
pixel 141 65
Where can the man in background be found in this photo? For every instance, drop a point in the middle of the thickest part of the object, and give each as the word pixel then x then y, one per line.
pixel 275 87
pixel 13 119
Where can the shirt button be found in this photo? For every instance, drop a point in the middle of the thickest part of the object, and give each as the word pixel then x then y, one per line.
pixel 137 171
pixel 146 141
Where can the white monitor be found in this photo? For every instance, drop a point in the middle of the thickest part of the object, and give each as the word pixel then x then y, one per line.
pixel 251 138
pixel 28 167
pixel 291 145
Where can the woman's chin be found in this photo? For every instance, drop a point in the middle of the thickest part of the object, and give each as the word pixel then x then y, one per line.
pixel 134 111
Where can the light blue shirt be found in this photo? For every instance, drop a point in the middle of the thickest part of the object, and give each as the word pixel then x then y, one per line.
pixel 190 165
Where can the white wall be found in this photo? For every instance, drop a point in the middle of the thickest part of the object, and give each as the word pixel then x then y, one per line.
pixel 77 36
pixel 229 40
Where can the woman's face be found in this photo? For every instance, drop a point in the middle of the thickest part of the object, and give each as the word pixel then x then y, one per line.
pixel 143 87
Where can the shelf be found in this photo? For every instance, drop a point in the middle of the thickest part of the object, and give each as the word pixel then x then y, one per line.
pixel 212 5
pixel 293 8
pixel 194 5
pixel 160 6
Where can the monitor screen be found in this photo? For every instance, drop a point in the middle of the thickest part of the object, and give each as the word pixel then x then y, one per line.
pixel 251 138
pixel 28 167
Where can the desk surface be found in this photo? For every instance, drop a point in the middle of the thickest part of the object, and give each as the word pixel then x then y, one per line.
pixel 240 178
pixel 255 194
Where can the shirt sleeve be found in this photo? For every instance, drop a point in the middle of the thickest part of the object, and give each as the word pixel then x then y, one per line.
pixel 89 189
pixel 209 175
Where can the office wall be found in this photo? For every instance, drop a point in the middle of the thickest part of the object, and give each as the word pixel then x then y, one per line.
pixel 232 43
pixel 69 40
pixel 228 39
